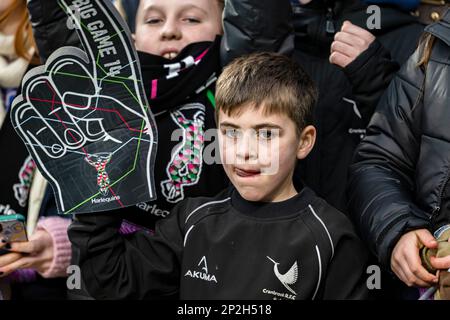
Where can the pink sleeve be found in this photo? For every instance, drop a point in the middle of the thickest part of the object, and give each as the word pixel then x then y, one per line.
pixel 62 248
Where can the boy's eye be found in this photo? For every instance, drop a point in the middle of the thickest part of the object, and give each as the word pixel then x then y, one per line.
pixel 231 133
pixel 153 21
pixel 191 20
pixel 267 134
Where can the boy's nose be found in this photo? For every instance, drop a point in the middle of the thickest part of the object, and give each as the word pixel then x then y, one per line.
pixel 246 148
pixel 170 31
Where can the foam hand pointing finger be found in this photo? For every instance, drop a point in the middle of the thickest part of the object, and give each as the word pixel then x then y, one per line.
pixel 85 118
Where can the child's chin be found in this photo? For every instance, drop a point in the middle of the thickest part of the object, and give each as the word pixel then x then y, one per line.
pixel 251 196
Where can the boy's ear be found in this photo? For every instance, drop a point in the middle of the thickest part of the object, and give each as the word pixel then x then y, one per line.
pixel 307 141
pixel 133 37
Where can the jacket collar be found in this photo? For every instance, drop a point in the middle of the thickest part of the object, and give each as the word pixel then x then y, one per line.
pixel 441 29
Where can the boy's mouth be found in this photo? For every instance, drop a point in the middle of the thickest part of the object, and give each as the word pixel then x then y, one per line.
pixel 246 173
pixel 170 55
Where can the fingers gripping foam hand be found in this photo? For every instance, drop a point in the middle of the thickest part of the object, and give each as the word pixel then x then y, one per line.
pixel 84 116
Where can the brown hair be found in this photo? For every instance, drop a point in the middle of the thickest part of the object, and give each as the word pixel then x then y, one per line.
pixel 24 40
pixel 270 80
pixel 426 47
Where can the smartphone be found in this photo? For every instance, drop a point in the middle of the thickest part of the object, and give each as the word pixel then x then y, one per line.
pixel 12 228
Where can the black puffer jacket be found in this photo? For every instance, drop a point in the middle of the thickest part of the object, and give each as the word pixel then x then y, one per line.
pixel 399 179
pixel 347 97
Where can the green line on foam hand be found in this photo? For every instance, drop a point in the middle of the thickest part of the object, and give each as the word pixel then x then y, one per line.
pixel 211 98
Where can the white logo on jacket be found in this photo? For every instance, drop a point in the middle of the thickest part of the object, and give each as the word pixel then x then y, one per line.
pixel 355 106
pixel 359 131
pixel 287 279
pixel 202 275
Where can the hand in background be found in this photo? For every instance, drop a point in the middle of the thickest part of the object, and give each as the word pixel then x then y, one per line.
pixel 36 254
pixel 406 262
pixel 349 43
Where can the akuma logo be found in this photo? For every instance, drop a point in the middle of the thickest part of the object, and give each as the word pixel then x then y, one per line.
pixel 202 275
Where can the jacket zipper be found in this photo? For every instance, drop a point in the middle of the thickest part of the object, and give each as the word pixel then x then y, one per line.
pixel 330 28
pixel 437 207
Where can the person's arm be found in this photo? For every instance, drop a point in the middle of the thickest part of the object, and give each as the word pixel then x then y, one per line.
pixel 370 75
pixel 367 65
pixel 50 27
pixel 61 248
pixel 135 266
pixel 253 26
pixel 381 184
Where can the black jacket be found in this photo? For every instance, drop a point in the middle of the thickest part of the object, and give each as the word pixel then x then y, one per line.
pixel 347 97
pixel 226 248
pixel 399 179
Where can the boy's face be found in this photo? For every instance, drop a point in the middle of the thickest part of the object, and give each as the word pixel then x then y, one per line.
pixel 259 153
pixel 165 27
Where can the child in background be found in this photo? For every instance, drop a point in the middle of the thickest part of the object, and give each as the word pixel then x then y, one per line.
pixel 262 238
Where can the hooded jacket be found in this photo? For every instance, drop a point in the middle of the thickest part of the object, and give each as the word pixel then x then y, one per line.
pixel 399 179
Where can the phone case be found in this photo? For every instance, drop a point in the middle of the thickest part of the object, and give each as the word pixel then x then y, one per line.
pixel 12 228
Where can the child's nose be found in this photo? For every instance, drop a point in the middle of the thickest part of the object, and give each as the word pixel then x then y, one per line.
pixel 247 147
pixel 170 31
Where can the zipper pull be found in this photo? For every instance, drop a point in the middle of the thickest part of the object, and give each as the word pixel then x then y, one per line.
pixel 435 211
pixel 330 27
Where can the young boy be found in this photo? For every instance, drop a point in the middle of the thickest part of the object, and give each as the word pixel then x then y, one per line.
pixel 262 238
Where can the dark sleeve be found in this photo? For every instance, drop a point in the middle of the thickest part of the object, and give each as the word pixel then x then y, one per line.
pixel 252 26
pixel 370 74
pixel 136 266
pixel 346 275
pixel 50 28
pixel 381 182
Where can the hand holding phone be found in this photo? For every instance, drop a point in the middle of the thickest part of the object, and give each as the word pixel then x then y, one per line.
pixel 36 252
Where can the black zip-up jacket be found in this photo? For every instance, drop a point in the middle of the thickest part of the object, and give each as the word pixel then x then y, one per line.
pixel 399 179
pixel 226 248
pixel 347 97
